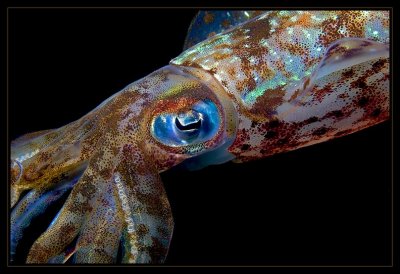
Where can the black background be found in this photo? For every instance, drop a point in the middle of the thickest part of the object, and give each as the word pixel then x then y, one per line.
pixel 328 204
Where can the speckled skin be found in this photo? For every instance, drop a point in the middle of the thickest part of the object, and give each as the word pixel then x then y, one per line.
pixel 283 80
pixel 266 65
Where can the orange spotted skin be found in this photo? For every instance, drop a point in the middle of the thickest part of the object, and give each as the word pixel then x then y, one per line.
pixel 259 63
pixel 280 81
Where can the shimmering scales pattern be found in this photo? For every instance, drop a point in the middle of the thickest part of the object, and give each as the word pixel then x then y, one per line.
pixel 260 62
pixel 279 47
pixel 280 81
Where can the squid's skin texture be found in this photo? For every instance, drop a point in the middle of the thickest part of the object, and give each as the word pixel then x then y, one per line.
pixel 277 82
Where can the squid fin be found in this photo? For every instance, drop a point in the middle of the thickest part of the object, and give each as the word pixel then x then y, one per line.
pixel 345 53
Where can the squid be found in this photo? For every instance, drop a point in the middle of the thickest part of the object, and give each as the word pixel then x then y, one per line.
pixel 249 84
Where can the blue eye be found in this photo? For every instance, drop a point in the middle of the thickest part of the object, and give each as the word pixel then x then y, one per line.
pixel 199 124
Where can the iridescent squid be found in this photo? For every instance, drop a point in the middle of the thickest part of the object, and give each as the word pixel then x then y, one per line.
pixel 250 84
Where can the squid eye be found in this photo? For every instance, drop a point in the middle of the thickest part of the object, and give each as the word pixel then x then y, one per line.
pixel 196 125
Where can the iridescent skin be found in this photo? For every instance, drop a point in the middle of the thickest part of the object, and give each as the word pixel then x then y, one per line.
pixel 278 82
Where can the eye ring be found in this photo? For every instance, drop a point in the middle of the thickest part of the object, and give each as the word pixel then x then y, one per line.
pixel 194 126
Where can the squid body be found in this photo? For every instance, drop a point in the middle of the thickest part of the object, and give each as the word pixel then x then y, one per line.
pixel 263 83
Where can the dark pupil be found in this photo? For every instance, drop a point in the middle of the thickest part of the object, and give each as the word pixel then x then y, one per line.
pixel 195 125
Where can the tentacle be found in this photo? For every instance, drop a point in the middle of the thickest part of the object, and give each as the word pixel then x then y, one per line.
pixel 92 208
pixel 101 232
pixel 66 225
pixel 147 213
pixel 31 206
pixel 82 200
pixel 24 145
pixel 30 136
pixel 37 163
